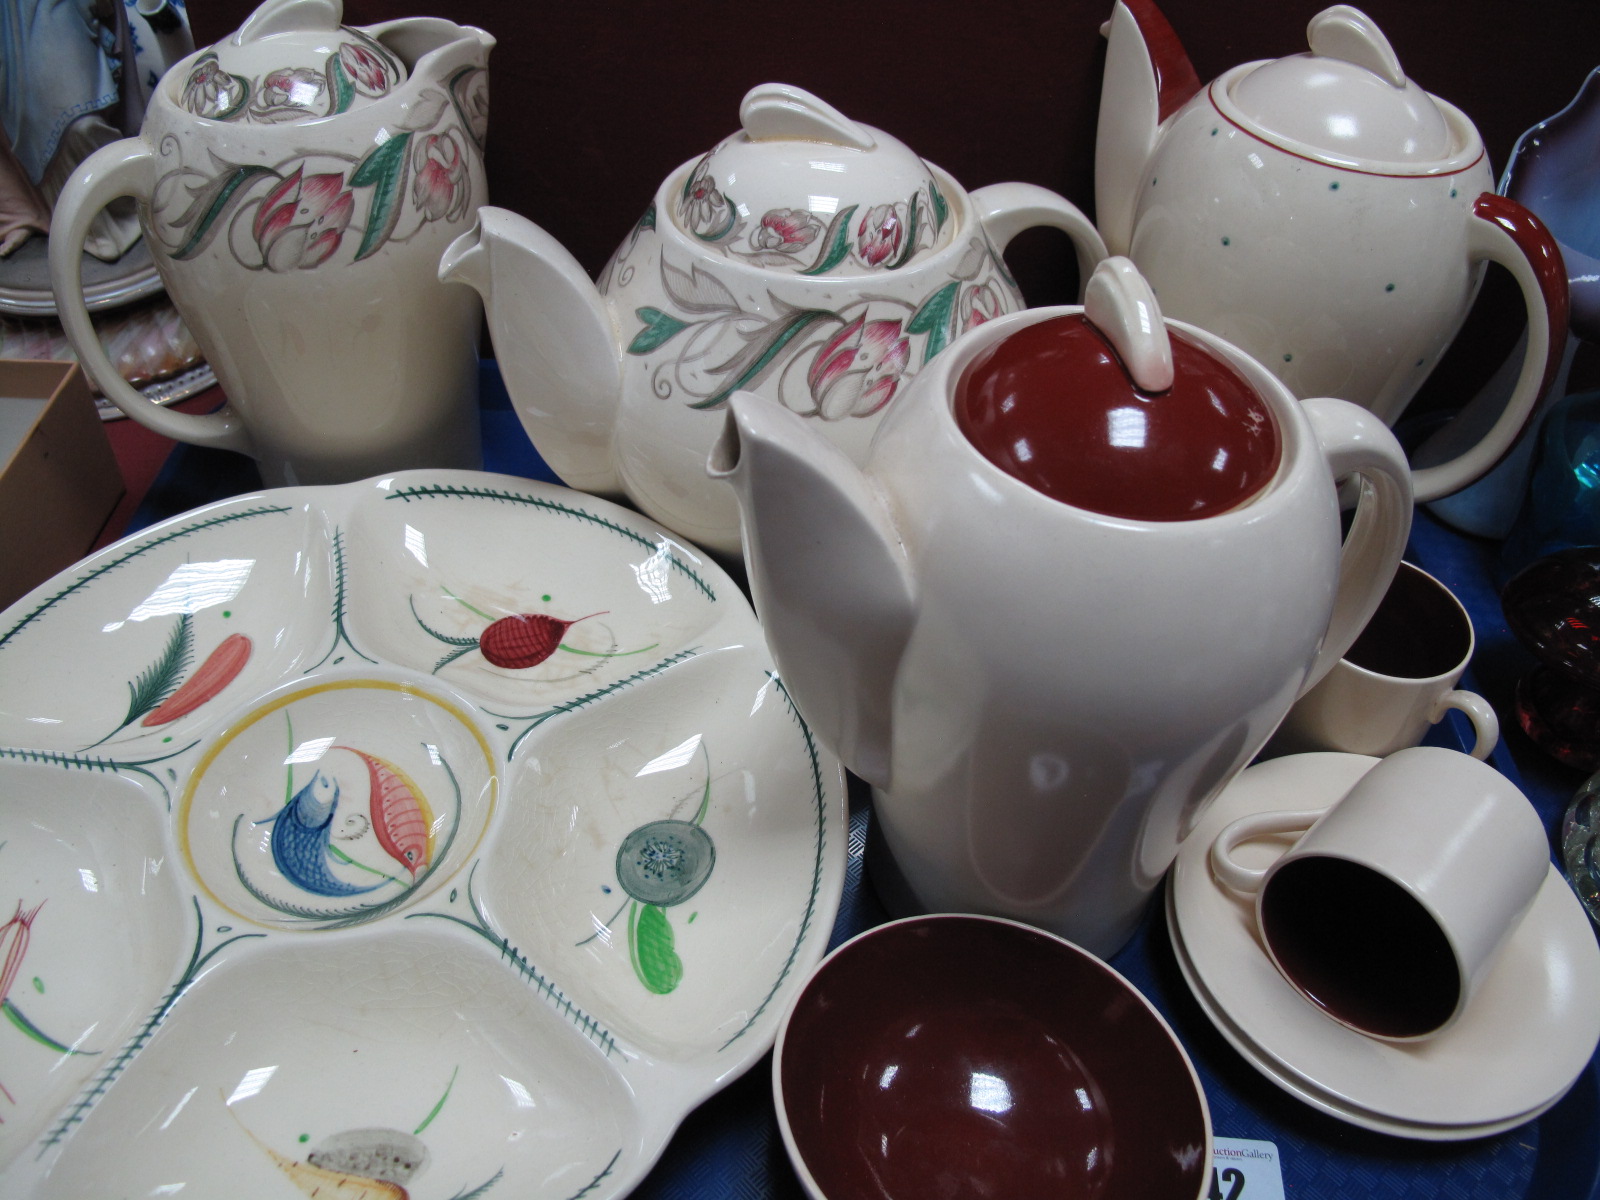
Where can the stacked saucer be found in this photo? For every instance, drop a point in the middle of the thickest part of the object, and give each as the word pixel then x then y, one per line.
pixel 1515 1052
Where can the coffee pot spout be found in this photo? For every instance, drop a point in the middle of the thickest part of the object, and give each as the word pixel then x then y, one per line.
pixel 1148 77
pixel 554 338
pixel 828 572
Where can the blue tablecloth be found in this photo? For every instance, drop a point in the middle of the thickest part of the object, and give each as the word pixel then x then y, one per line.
pixel 730 1146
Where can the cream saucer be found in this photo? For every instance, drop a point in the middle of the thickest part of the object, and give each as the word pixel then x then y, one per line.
pixel 1529 1034
pixel 1308 1093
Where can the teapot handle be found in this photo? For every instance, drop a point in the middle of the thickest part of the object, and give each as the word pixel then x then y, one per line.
pixel 1503 231
pixel 1355 442
pixel 125 168
pixel 1006 209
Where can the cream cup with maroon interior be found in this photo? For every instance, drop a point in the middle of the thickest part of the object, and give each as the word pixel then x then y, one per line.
pixel 1389 908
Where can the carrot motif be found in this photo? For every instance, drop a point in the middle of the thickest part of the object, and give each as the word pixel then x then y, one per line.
pixel 401 818
pixel 220 669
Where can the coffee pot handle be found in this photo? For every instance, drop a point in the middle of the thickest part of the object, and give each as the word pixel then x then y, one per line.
pixel 1503 231
pixel 1006 209
pixel 125 168
pixel 1357 443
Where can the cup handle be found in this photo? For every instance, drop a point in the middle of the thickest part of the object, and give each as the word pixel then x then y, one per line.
pixel 1248 880
pixel 1006 209
pixel 1504 232
pixel 1485 724
pixel 125 168
pixel 1357 443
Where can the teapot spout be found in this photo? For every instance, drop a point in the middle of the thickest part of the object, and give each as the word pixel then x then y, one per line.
pixel 554 338
pixel 828 572
pixel 1148 77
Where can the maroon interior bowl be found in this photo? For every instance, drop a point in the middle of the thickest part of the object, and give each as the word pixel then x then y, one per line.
pixel 955 1056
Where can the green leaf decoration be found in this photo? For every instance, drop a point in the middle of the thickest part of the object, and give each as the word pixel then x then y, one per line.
pixel 14 1014
pixel 162 677
pixel 914 220
pixel 384 170
pixel 648 221
pixel 650 940
pixel 753 362
pixel 717 235
pixel 344 92
pixel 941 209
pixel 659 328
pixel 835 244
pixel 935 318
pixel 212 203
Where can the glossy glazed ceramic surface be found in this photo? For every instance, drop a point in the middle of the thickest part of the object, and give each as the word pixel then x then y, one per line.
pixel 1046 697
pixel 1392 906
pixel 423 833
pixel 1336 239
pixel 959 1056
pixel 1512 1054
pixel 803 188
pixel 1053 406
pixel 622 388
pixel 303 256
pixel 292 61
pixel 1398 679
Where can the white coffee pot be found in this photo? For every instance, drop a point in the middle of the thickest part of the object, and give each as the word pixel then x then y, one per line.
pixel 1320 211
pixel 297 183
pixel 1066 599
pixel 809 258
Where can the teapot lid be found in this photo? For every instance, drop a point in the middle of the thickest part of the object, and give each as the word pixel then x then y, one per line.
pixel 803 188
pixel 291 61
pixel 1110 411
pixel 1347 99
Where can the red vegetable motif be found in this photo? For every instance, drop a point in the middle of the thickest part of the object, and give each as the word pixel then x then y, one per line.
pixel 220 669
pixel 524 639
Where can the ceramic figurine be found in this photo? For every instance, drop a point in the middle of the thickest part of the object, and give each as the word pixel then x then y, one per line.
pixel 1047 631
pixel 809 258
pixel 1323 213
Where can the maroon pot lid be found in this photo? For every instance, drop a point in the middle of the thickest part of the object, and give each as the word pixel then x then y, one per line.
pixel 1111 412
pixel 958 1056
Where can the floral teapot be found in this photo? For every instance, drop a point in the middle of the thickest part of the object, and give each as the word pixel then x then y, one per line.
pixel 809 258
pixel 1323 213
pixel 1091 560
pixel 297 183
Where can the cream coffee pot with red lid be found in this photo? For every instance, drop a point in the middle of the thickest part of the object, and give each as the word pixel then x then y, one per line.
pixel 1323 213
pixel 807 257
pixel 1092 558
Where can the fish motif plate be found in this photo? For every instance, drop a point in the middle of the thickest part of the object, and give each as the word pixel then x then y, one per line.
pixel 442 836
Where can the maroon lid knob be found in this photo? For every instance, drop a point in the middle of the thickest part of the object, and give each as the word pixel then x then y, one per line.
pixel 1057 406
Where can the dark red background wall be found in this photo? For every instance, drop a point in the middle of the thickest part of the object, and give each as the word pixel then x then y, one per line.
pixel 592 103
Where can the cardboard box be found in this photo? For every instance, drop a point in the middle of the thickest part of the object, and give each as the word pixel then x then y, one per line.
pixel 59 480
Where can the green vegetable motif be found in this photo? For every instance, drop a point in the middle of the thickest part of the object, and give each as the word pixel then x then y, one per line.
pixel 660 865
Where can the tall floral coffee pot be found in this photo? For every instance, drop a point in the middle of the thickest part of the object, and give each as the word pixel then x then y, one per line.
pixel 809 258
pixel 1091 560
pixel 297 184
pixel 1320 211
